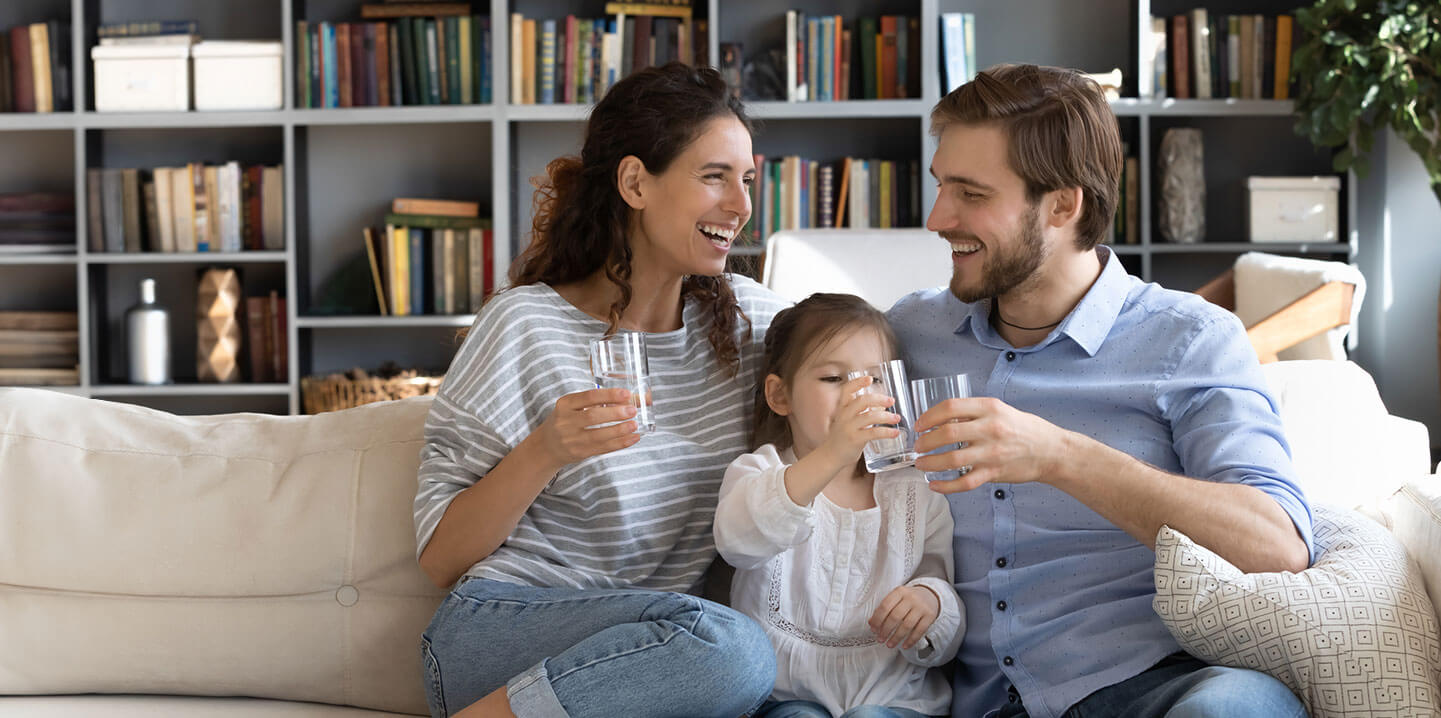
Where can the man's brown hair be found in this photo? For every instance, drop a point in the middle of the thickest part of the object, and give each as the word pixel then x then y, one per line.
pixel 1061 132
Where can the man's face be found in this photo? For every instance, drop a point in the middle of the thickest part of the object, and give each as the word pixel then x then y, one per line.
pixel 996 238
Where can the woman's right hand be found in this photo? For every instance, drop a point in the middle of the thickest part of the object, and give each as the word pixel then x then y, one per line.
pixel 860 418
pixel 567 436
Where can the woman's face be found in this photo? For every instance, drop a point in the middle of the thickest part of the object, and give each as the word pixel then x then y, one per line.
pixel 694 209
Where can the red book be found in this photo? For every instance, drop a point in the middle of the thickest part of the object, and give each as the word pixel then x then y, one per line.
pixel 887 86
pixel 1181 54
pixel 23 68
pixel 640 55
pixel 487 242
pixel 570 49
pixel 254 208
pixel 342 62
pixel 362 46
pixel 382 64
pixel 258 339
pixel 280 346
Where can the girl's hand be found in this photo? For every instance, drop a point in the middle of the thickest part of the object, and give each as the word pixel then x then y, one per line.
pixel 571 434
pixel 861 417
pixel 905 615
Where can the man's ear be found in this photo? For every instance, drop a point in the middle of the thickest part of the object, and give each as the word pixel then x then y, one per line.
pixel 776 397
pixel 629 178
pixel 1063 206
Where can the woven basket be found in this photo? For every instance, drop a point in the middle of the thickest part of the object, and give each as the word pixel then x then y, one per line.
pixel 355 387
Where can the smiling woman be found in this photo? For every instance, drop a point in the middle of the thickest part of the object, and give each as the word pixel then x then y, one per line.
pixel 570 539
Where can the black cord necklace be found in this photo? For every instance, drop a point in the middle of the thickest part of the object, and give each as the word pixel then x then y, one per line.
pixel 996 310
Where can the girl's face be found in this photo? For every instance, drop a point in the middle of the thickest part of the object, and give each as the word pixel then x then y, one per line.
pixel 694 209
pixel 810 398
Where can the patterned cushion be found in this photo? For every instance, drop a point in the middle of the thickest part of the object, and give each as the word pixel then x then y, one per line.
pixel 1354 635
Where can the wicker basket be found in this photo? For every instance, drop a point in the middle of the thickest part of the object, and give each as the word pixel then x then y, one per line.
pixel 356 387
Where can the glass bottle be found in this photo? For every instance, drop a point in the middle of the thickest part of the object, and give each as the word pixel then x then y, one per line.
pixel 147 331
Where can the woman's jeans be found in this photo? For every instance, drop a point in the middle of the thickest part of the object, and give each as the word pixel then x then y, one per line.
pixel 605 653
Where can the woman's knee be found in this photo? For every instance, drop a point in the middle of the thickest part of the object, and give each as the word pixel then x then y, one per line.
pixel 731 647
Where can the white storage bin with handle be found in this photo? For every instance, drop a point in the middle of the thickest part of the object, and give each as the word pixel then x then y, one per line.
pixel 141 78
pixel 1294 209
pixel 237 75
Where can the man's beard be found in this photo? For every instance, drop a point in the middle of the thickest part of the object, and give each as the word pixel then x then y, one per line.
pixel 1004 271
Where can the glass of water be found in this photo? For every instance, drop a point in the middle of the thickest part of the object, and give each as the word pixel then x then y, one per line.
pixel 929 392
pixel 889 378
pixel 619 362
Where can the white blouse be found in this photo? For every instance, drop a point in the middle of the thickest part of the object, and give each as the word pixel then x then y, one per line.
pixel 813 575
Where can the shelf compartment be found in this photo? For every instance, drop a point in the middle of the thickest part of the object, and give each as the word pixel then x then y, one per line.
pixel 190 390
pixel 1239 247
pixel 393 115
pixel 186 258
pixel 385 322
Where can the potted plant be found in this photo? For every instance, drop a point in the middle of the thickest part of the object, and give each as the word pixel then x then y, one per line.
pixel 1365 65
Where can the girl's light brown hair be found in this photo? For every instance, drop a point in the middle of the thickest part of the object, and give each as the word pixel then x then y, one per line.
pixel 1061 131
pixel 796 333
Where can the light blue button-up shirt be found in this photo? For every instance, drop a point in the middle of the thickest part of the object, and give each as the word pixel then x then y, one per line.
pixel 1161 375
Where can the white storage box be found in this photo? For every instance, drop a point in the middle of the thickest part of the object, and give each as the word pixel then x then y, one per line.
pixel 237 75
pixel 1294 209
pixel 141 78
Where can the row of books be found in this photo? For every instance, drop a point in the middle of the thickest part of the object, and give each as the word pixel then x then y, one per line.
pixel 575 60
pixel 33 222
pixel 35 68
pixel 266 343
pixel 1126 229
pixel 405 61
pixel 958 49
pixel 420 269
pixel 1200 55
pixel 873 59
pixel 796 193
pixel 39 348
pixel 191 208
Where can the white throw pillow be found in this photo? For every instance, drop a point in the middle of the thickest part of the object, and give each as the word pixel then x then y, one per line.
pixel 1354 635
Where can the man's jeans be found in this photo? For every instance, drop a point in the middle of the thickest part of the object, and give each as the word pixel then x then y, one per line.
pixel 1181 686
pixel 604 653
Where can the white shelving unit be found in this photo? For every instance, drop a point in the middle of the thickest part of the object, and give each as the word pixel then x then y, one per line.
pixel 342 166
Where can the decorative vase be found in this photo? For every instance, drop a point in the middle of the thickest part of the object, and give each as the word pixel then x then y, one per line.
pixel 217 332
pixel 147 335
pixel 1182 170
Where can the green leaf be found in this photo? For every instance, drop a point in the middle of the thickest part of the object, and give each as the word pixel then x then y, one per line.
pixel 1342 160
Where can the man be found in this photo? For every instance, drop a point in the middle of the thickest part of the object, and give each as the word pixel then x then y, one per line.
pixel 1113 407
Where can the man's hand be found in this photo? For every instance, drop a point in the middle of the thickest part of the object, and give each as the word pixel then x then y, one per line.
pixel 1003 444
pixel 904 616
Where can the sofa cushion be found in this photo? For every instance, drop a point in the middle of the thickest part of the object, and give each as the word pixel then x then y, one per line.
pixel 1413 515
pixel 1354 635
pixel 240 554
pixel 174 707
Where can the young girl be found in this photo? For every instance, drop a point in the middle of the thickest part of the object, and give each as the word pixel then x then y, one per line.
pixel 849 573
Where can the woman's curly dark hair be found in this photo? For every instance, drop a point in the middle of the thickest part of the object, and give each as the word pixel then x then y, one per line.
pixel 581 221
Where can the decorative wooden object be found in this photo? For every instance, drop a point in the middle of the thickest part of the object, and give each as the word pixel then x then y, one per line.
pixel 217 332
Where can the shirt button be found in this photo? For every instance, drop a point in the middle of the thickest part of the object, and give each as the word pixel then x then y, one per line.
pixel 1008 661
pixel 1000 605
pixel 1010 356
pixel 1001 562
pixel 1000 494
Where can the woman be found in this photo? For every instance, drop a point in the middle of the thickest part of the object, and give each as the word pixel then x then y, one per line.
pixel 575 544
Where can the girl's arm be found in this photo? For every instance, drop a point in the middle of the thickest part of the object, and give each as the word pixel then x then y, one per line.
pixel 936 572
pixel 756 519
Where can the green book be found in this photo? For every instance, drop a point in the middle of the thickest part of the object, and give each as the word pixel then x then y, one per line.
pixel 435 221
pixel 868 58
pixel 422 63
pixel 408 79
pixel 433 58
pixel 302 64
pixel 452 58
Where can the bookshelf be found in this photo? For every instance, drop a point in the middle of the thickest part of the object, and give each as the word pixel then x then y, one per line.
pixel 342 166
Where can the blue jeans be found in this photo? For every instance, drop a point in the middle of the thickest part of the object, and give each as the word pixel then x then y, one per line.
pixel 807 709
pixel 564 652
pixel 1181 686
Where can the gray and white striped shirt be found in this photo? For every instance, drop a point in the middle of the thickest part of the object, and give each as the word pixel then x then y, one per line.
pixel 635 518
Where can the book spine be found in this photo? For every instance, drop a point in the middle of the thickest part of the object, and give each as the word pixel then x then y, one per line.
pixel 868 58
pixel 487 68
pixel 417 266
pixel 380 64
pixel 395 65
pixel 344 60
pixel 95 226
pixel 409 81
pixel 1282 80
pixel 163 27
pixel 452 59
pixel 40 67
pixel 60 64
pixel 475 260
pixel 422 64
pixel 547 63
pixel 441 63
pixel 1200 33
pixel 466 60
pixel 332 67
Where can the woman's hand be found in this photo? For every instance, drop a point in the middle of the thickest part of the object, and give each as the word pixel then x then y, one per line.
pixel 861 417
pixel 905 615
pixel 572 432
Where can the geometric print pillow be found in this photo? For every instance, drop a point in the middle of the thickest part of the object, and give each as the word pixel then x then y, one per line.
pixel 1354 635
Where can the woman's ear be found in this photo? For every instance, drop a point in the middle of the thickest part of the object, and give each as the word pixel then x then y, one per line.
pixel 776 397
pixel 629 177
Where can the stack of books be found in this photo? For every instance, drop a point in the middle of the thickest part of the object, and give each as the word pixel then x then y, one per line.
pixel 192 208
pixel 431 257
pixel 265 338
pixel 39 349
pixel 37 222
pixel 35 68
pixel 402 53
pixel 1201 55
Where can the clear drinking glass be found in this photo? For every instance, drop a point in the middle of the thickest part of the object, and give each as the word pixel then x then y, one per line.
pixel 889 378
pixel 619 362
pixel 929 392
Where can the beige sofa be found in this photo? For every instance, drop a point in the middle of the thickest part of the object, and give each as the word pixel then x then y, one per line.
pixel 249 565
